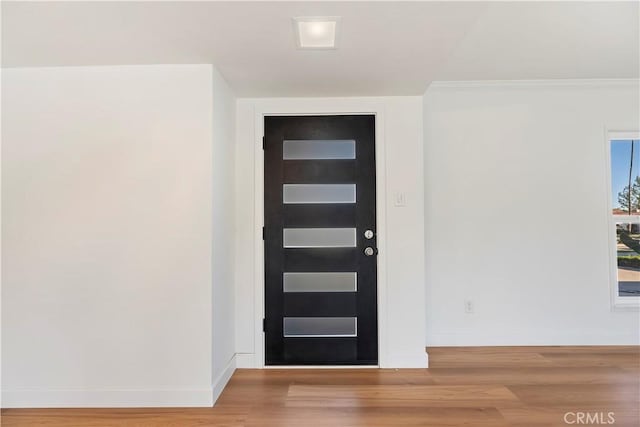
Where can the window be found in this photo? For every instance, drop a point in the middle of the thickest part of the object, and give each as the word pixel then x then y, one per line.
pixel 624 158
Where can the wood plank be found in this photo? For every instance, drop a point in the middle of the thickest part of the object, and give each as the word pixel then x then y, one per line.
pixel 377 417
pixel 593 359
pixel 580 395
pixel 352 376
pixel 457 357
pixel 532 375
pixel 228 416
pixel 540 416
pixel 400 396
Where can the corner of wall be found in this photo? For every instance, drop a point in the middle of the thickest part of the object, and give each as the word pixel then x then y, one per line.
pixel 223 379
pixel 223 231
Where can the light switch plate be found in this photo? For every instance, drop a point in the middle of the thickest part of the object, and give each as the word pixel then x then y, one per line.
pixel 400 199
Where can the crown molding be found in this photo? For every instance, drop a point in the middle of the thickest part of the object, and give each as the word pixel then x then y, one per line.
pixel 453 84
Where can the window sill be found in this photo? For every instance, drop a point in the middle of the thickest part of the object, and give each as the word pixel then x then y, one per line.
pixel 626 304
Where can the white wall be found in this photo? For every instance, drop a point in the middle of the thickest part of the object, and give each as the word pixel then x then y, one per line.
pixel 516 212
pixel 405 233
pixel 106 234
pixel 224 112
pixel 399 169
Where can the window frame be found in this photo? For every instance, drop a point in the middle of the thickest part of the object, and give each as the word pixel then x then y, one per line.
pixel 617 302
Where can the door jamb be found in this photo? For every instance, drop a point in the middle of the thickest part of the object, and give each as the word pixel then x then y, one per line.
pixel 305 107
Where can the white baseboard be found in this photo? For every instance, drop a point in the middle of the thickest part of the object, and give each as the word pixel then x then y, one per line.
pixel 530 337
pixel 107 398
pixel 221 382
pixel 119 398
pixel 246 361
pixel 414 360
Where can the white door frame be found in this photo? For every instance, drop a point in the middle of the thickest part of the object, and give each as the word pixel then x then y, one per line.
pixel 314 106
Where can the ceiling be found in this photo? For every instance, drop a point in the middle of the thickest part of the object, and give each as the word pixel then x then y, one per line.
pixel 385 48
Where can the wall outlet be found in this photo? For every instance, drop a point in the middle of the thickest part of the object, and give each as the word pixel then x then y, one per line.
pixel 468 306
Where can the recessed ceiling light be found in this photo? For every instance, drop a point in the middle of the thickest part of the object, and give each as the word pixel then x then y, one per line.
pixel 316 32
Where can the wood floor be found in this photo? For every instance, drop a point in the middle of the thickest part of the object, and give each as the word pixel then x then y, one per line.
pixel 490 386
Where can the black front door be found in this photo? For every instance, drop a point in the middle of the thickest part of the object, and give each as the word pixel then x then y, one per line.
pixel 320 240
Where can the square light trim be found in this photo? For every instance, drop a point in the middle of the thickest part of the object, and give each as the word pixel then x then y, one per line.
pixel 316 32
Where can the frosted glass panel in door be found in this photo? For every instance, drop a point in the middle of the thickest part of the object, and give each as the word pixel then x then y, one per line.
pixel 318 149
pixel 320 326
pixel 319 193
pixel 319 237
pixel 320 282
